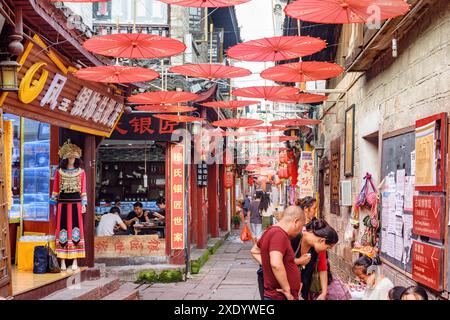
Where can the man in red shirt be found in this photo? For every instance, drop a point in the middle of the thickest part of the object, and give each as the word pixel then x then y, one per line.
pixel 274 252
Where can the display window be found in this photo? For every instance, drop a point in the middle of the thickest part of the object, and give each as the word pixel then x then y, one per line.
pixel 30 174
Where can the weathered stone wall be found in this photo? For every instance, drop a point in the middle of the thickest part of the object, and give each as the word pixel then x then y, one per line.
pixel 390 96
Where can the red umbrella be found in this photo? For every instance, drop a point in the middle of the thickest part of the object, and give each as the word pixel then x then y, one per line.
pixel 229 104
pixel 264 92
pixel 156 108
pixel 228 134
pixel 175 118
pixel 302 98
pixel 210 71
pixel 302 71
pixel 116 74
pixel 295 122
pixel 205 3
pixel 281 139
pixel 345 11
pixel 237 123
pixel 80 1
pixel 276 148
pixel 276 48
pixel 134 45
pixel 163 97
pixel 267 128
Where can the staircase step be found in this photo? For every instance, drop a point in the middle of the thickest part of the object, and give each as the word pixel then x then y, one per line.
pixel 126 291
pixel 87 290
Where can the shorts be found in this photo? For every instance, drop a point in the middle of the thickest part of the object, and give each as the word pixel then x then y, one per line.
pixel 256 230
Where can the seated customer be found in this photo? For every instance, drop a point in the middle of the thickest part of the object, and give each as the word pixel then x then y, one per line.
pixel 137 215
pixel 109 222
pixel 161 203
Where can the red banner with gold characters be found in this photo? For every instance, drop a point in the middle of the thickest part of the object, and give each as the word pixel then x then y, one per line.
pixel 177 196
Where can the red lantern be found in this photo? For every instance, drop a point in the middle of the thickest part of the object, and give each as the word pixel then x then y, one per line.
pixel 228 181
pixel 282 172
pixel 251 181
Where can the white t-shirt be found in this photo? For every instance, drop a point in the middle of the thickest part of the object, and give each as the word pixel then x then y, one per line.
pixel 107 224
pixel 380 292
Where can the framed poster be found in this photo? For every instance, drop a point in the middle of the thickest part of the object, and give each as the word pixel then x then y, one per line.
pixel 349 145
pixel 335 172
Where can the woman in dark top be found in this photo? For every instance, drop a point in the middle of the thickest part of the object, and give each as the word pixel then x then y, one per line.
pixel 316 239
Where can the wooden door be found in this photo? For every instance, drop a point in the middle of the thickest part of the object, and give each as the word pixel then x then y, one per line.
pixel 5 255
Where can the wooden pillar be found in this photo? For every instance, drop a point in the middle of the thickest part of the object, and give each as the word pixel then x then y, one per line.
pixel 202 218
pixel 194 205
pixel 89 226
pixel 213 201
pixel 222 200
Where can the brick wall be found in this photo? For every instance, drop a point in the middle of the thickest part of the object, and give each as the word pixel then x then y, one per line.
pixel 390 96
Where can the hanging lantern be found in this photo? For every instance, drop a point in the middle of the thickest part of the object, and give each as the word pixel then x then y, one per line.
pixel 228 181
pixel 8 76
pixel 251 181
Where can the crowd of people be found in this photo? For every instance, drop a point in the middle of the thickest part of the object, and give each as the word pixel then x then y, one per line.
pixel 293 258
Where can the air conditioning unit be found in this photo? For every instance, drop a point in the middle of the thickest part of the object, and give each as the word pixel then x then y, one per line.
pixel 345 194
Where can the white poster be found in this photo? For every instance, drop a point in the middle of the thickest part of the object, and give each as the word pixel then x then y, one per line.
pixel 413 163
pixel 400 185
pixel 407 237
pixel 409 193
pixel 383 240
pixel 399 226
pixel 390 244
pixel 398 248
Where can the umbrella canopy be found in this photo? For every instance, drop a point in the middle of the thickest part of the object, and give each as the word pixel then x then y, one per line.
pixel 205 3
pixel 276 48
pixel 344 11
pixel 163 97
pixel 80 1
pixel 237 123
pixel 295 122
pixel 280 139
pixel 165 108
pixel 302 98
pixel 267 128
pixel 210 71
pixel 229 104
pixel 276 148
pixel 228 134
pixel 116 74
pixel 302 71
pixel 264 92
pixel 175 118
pixel 134 45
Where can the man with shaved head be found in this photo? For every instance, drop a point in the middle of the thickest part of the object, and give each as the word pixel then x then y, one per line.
pixel 274 252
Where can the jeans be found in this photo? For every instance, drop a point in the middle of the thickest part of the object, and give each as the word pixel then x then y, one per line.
pixel 267 298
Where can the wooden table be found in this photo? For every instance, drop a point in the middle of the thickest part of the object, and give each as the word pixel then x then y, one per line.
pixel 140 227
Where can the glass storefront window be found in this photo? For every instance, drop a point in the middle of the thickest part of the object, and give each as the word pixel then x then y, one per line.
pixel 30 169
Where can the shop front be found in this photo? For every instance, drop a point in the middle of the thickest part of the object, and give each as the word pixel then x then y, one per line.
pixel 50 107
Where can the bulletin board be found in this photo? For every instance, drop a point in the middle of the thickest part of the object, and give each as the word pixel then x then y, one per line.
pixel 397 168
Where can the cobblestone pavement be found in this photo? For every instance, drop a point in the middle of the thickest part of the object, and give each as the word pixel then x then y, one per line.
pixel 229 274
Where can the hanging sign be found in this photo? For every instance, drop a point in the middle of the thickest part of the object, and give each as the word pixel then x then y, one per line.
pixel 306 181
pixel 202 174
pixel 49 92
pixel 177 175
pixel 427 265
pixel 428 216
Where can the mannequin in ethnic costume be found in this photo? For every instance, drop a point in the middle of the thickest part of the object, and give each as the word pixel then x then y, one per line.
pixel 69 194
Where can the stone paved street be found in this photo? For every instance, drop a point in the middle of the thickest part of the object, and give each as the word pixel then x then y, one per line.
pixel 229 274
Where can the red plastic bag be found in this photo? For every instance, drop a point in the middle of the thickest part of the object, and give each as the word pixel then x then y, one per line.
pixel 246 235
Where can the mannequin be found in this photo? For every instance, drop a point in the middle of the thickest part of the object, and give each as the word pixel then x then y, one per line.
pixel 69 194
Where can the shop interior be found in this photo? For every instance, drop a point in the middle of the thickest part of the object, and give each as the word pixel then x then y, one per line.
pixel 130 172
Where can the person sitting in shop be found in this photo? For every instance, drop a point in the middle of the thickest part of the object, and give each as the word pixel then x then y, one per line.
pixel 161 203
pixel 137 215
pixel 111 222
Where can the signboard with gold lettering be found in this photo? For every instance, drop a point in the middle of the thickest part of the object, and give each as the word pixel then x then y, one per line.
pixel 49 92
pixel 177 196
pixel 427 265
pixel 129 246
pixel 428 216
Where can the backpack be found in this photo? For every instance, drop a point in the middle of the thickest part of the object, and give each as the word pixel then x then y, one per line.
pixel 40 260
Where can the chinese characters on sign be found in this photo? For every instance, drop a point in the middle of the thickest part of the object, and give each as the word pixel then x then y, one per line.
pixel 425 155
pixel 428 216
pixel 427 264
pixel 306 169
pixel 335 149
pixel 177 196
pixel 129 246
pixel 202 174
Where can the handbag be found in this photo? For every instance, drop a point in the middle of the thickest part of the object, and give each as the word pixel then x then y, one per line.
pixel 40 261
pixel 315 286
pixel 52 265
pixel 337 290
pixel 246 235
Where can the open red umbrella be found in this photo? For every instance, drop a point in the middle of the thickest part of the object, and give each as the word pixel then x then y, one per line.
pixel 267 128
pixel 175 118
pixel 80 1
pixel 295 122
pixel 116 74
pixel 134 45
pixel 214 133
pixel 237 123
pixel 276 148
pixel 210 71
pixel 264 92
pixel 229 104
pixel 302 71
pixel 345 11
pixel 156 108
pixel 205 3
pixel 162 97
pixel 302 98
pixel 281 139
pixel 276 48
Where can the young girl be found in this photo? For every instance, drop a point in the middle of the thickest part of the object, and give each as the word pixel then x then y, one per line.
pixel 378 286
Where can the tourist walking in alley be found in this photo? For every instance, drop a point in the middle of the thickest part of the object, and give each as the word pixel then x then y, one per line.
pixel 255 217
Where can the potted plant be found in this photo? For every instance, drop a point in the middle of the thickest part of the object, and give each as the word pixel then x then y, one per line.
pixel 236 221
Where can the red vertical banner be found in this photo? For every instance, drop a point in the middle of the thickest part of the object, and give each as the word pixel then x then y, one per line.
pixel 177 203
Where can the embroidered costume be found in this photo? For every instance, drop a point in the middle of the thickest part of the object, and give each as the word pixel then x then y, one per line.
pixel 69 194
